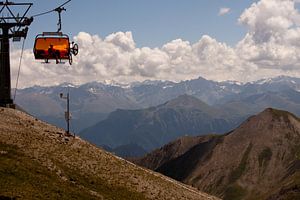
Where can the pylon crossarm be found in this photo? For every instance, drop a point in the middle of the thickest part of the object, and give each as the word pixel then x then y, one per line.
pixel 12 16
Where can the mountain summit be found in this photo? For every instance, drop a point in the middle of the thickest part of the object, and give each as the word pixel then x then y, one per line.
pixel 186 101
pixel 155 126
pixel 39 161
pixel 258 160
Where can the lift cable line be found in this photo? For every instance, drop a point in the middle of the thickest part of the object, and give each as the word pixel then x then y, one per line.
pixel 50 11
pixel 19 69
pixel 59 9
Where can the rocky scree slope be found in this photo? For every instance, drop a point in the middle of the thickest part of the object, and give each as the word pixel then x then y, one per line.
pixel 39 161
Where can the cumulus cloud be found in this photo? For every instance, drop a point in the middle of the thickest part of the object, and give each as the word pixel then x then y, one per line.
pixel 116 57
pixel 273 39
pixel 224 11
pixel 271 47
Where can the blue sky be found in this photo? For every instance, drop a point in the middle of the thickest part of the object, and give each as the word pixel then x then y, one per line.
pixel 137 40
pixel 153 23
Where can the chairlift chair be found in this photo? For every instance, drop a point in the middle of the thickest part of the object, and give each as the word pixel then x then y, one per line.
pixel 54 46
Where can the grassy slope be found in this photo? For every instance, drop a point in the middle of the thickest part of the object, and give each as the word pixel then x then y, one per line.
pixel 38 160
pixel 22 177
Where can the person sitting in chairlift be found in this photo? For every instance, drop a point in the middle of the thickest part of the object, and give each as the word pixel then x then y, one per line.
pixel 54 53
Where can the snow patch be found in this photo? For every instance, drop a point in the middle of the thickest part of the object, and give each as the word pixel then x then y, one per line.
pixel 168 86
pixel 92 90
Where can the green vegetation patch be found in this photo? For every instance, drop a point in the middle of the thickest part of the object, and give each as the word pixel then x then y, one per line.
pixel 296 151
pixel 264 158
pixel 238 172
pixel 234 192
pixel 24 178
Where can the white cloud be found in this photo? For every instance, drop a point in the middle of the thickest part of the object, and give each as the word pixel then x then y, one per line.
pixel 224 11
pixel 122 40
pixel 271 47
pixel 274 34
pixel 116 57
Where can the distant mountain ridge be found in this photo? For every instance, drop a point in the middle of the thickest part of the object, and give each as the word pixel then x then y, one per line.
pixel 93 102
pixel 155 126
pixel 258 160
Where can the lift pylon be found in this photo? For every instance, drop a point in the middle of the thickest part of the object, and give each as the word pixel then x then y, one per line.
pixel 12 25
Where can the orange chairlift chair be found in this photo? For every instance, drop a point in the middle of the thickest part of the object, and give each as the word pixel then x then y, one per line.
pixel 54 46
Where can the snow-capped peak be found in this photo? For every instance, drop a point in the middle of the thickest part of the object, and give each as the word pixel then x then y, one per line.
pixel 116 84
pixel 233 82
pixel 70 85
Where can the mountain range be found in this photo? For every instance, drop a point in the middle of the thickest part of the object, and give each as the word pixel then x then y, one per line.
pixel 258 160
pixel 97 99
pixel 136 118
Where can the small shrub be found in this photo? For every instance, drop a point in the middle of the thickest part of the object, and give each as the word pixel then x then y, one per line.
pixel 234 192
pixel 264 157
pixel 238 172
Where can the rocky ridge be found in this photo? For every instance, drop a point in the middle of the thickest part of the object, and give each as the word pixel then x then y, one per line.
pixel 258 160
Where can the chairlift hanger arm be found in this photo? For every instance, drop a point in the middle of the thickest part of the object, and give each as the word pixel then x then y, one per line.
pixel 59 10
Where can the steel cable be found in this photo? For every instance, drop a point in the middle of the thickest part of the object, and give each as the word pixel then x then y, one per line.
pixel 20 63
